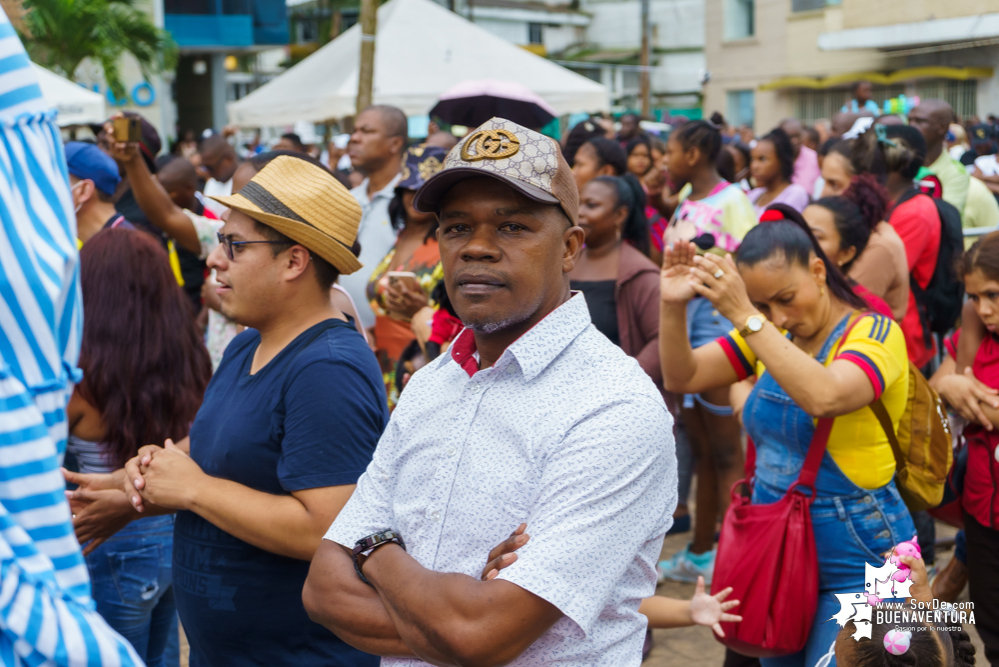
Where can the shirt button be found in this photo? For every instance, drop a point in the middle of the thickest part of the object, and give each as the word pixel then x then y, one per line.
pixel 474 389
pixel 511 369
pixel 452 450
pixel 868 500
pixel 435 516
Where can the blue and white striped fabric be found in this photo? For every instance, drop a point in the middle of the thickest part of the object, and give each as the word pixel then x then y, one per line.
pixel 47 616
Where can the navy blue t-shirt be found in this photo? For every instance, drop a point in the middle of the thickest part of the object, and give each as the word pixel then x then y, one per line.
pixel 310 418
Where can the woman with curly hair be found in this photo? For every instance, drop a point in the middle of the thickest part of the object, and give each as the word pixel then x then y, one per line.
pixel 145 369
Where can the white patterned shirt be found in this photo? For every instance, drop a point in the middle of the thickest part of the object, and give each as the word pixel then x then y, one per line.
pixel 566 433
pixel 377 236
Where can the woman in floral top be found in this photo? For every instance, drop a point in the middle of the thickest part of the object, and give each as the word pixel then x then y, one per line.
pixel 395 300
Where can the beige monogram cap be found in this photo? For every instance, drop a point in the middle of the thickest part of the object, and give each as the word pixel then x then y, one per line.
pixel 523 159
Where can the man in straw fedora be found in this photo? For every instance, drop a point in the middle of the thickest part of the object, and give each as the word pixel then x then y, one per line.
pixel 532 417
pixel 288 424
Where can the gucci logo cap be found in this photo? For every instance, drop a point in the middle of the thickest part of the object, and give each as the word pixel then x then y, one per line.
pixel 523 159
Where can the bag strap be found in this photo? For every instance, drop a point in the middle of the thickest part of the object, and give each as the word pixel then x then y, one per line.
pixel 820 438
pixel 881 412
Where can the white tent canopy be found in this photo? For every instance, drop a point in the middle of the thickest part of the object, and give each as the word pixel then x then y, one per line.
pixel 422 49
pixel 76 105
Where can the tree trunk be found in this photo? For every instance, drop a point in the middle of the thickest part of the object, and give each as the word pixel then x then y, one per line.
pixel 366 73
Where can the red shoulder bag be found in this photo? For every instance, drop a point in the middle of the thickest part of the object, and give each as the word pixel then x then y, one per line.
pixel 767 554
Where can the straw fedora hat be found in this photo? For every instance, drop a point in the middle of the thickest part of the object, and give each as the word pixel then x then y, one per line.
pixel 305 203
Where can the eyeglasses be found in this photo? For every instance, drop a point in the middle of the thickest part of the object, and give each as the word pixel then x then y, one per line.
pixel 228 243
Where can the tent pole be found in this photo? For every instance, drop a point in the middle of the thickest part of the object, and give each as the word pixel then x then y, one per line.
pixel 366 71
pixel 644 74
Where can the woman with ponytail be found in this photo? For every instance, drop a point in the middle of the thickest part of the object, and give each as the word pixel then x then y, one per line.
pixel 620 282
pixel 790 307
pixel 894 155
pixel 853 234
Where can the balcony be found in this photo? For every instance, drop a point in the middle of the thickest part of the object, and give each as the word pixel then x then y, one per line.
pixel 210 30
pixel 226 24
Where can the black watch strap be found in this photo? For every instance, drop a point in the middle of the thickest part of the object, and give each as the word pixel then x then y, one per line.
pixel 366 545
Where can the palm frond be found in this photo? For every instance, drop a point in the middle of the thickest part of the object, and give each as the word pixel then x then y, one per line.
pixel 62 33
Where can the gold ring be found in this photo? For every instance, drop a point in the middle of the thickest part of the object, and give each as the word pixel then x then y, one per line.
pixel 719 273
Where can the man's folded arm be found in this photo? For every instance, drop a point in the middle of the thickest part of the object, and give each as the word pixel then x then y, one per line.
pixel 455 619
pixel 336 598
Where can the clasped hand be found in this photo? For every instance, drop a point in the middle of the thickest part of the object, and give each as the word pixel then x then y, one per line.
pixel 685 274
pixel 163 476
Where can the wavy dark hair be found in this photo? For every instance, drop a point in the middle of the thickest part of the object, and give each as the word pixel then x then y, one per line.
pixel 145 366
pixel 609 152
pixel 856 213
pixel 630 195
pixel 784 151
pixel 783 231
pixel 640 140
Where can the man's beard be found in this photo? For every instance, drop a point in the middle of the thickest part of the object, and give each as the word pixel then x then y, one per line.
pixel 493 327
pixel 500 325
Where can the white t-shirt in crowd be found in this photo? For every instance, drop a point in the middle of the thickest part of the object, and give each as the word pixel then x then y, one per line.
pixel 215 188
pixel 988 165
pixel 377 237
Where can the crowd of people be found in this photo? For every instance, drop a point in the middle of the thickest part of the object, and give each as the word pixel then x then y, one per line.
pixel 448 415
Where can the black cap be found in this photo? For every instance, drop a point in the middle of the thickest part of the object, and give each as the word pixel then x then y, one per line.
pixel 982 133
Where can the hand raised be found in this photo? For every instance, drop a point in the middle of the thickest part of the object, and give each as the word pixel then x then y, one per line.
pixel 718 280
pixel 674 279
pixel 710 610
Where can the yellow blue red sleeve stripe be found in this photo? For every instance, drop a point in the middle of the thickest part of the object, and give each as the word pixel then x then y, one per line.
pixel 736 356
pixel 880 327
pixel 867 365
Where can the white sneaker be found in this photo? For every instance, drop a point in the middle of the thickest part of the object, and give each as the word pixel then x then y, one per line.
pixel 686 567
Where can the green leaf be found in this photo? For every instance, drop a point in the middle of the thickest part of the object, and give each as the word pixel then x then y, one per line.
pixel 60 34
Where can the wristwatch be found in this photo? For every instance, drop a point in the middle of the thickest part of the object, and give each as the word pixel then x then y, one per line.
pixel 366 545
pixel 753 324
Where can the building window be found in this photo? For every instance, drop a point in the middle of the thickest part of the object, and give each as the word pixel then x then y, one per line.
pixel 809 5
pixel 812 105
pixel 534 33
pixel 741 107
pixel 739 19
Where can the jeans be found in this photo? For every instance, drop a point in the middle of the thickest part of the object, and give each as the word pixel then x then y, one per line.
pixel 852 525
pixel 132 587
pixel 849 531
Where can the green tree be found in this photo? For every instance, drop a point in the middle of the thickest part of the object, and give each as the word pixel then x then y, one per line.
pixel 60 34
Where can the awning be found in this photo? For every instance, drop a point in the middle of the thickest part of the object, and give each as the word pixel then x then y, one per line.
pixel 76 105
pixel 898 76
pixel 900 35
pixel 422 49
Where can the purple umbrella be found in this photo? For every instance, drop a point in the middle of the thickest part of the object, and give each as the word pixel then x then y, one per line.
pixel 471 103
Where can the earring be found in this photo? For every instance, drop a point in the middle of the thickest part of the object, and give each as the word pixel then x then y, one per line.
pixel 822 291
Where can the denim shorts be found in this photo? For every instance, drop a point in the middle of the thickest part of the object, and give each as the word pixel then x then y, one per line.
pixel 704 323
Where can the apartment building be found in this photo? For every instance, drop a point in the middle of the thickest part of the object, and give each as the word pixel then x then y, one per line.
pixel 769 59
